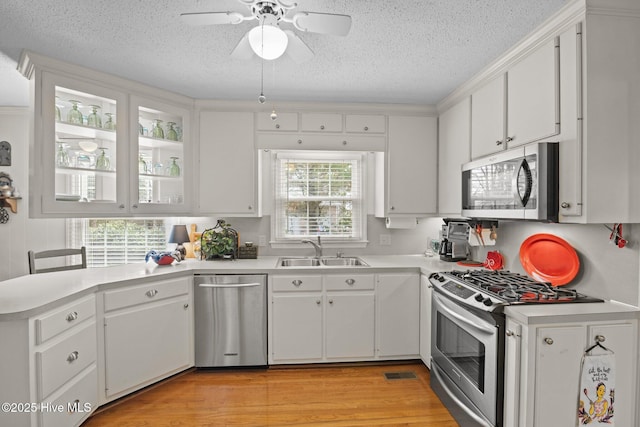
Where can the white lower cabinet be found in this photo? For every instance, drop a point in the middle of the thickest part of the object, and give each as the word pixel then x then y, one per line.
pixel 425 320
pixel 147 334
pixel 343 317
pixel 398 314
pixel 542 370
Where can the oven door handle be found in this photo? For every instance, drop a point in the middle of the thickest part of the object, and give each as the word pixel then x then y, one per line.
pixel 447 308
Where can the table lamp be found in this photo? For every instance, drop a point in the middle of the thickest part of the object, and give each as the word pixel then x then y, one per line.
pixel 179 235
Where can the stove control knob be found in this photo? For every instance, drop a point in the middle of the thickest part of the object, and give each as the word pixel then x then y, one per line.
pixel 479 298
pixel 488 302
pixel 441 278
pixel 435 276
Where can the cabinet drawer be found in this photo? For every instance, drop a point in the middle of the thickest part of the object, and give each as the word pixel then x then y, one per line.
pixel 321 122
pixel 316 141
pixel 79 398
pixel 59 320
pixel 341 282
pixel 62 361
pixel 284 122
pixel 365 123
pixel 134 295
pixel 297 283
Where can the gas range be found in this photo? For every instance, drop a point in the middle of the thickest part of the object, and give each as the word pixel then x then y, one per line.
pixel 489 290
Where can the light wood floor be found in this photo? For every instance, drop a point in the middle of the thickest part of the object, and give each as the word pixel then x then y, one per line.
pixel 350 395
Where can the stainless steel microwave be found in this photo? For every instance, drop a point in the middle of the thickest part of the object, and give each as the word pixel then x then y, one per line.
pixel 520 183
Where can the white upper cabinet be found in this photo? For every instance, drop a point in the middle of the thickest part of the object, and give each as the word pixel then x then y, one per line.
pixel 229 165
pixel 454 136
pixel 284 122
pixel 488 118
pixel 519 106
pixel 87 144
pixel 321 122
pixel 406 175
pixel 364 123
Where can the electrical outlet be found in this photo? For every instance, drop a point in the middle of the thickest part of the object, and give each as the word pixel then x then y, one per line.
pixel 385 240
pixel 262 240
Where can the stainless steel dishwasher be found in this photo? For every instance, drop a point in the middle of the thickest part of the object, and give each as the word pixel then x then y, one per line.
pixel 230 320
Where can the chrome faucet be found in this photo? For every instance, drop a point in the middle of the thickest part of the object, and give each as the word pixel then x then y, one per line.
pixel 317 246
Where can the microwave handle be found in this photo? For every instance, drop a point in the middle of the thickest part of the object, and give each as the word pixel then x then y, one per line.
pixel 524 167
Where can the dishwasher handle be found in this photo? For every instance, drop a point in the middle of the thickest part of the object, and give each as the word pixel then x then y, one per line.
pixel 229 285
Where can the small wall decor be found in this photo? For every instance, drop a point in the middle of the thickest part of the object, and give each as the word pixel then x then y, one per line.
pixel 5 153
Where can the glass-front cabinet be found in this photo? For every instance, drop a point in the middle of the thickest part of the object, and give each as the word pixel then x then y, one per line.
pixel 83 157
pixel 101 151
pixel 159 151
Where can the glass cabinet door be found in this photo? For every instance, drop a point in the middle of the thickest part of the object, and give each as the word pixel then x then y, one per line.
pixel 82 146
pixel 160 157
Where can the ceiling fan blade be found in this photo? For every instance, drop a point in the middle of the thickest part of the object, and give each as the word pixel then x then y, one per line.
pixel 323 23
pixel 243 49
pixel 297 49
pixel 212 18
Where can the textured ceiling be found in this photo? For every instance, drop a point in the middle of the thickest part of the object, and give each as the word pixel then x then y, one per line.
pixel 398 51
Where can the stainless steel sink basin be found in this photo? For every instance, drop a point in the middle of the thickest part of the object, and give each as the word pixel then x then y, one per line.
pixel 319 262
pixel 343 262
pixel 299 262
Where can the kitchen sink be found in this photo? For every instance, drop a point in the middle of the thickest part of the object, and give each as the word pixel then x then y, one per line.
pixel 319 262
pixel 299 262
pixel 343 262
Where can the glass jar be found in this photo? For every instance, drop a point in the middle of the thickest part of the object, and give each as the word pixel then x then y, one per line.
pixel 174 169
pixel 94 119
pixel 62 156
pixel 171 132
pixel 102 162
pixel 157 132
pixel 74 115
pixel 142 165
pixel 109 124
pixel 58 119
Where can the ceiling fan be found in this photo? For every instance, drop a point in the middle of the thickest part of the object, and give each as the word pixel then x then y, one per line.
pixel 268 40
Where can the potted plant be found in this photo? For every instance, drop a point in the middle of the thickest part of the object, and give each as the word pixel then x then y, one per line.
pixel 220 242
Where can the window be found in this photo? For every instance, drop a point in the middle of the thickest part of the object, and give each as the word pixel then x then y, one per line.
pixel 116 241
pixel 319 194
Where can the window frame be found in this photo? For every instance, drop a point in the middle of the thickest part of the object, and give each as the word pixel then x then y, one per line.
pixel 360 236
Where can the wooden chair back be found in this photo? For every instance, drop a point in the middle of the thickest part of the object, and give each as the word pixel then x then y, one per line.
pixel 57 253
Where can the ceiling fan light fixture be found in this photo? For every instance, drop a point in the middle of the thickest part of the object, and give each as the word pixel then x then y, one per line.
pixel 274 43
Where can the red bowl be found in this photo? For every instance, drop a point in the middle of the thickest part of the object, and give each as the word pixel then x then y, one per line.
pixel 165 260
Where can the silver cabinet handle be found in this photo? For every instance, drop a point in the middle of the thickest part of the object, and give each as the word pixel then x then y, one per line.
pixel 296 282
pixel 135 206
pixel 393 208
pixel 73 356
pixel 151 293
pixel 344 142
pixel 366 128
pixel 121 206
pixel 277 126
pixel 600 338
pixel 321 127
pixel 330 301
pixel 498 142
pixel 299 141
pixel 250 207
pixel 318 301
pixel 548 341
pixel 186 306
pixel 72 316
pixel 350 281
pixel 510 138
pixel 509 333
pixel 565 205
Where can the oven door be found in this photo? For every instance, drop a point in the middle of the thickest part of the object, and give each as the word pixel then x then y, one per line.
pixel 465 350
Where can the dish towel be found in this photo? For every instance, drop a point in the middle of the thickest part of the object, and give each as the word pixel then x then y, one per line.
pixel 597 387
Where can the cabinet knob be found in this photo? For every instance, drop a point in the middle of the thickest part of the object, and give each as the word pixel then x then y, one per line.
pixel 510 333
pixel 498 142
pixel 565 205
pixel 350 282
pixel 151 293
pixel 73 356
pixel 600 338
pixel 277 126
pixel 250 207
pixel 366 128
pixel 393 208
pixel 318 301
pixel 321 127
pixel 297 282
pixel 72 316
pixel 330 301
pixel 121 206
pixel 135 206
pixel 186 306
pixel 510 138
pixel 344 142
pixel 548 341
pixel 299 141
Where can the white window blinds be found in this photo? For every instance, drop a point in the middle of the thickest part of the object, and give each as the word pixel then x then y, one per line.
pixel 319 194
pixel 116 241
